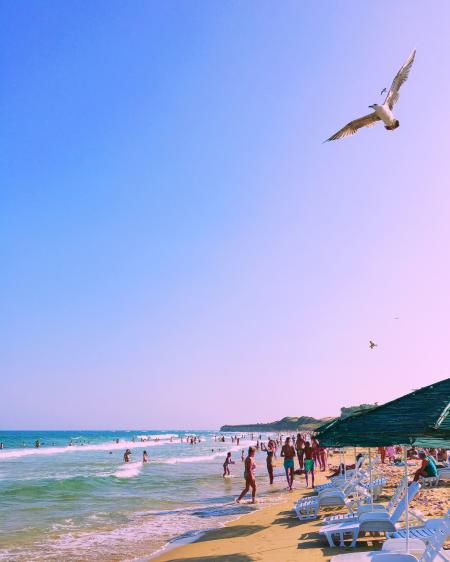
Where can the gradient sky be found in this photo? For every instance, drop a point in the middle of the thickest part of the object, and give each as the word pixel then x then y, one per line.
pixel 179 249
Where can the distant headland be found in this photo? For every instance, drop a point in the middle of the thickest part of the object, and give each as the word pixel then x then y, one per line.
pixel 302 423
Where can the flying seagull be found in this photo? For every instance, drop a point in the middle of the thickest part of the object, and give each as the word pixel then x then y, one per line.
pixel 380 112
pixel 372 344
pixel 383 90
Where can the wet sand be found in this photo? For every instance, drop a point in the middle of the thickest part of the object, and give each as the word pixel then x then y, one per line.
pixel 274 534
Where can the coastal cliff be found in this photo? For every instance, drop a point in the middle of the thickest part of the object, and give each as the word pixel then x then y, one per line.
pixel 286 424
pixel 302 423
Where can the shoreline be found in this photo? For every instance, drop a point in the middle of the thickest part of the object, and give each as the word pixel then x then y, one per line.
pixel 274 534
pixel 181 540
pixel 231 531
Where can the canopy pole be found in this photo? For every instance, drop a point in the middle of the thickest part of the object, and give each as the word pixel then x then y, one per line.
pixel 371 480
pixel 345 465
pixel 405 454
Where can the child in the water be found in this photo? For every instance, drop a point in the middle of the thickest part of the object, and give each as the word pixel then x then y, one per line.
pixel 226 465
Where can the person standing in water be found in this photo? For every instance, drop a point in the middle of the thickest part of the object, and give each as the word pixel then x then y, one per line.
pixel 300 444
pixel 144 457
pixel 288 452
pixel 249 475
pixel 309 463
pixel 226 465
pixel 126 456
pixel 269 462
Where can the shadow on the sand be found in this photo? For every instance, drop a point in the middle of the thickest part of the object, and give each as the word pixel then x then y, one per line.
pixel 231 533
pixel 221 558
pixel 287 519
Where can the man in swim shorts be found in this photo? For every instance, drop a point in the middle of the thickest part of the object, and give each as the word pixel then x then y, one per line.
pixel 309 463
pixel 288 452
pixel 300 445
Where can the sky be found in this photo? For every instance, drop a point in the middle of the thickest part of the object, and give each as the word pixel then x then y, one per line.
pixel 179 249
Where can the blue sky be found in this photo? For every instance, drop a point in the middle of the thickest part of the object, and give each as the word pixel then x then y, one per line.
pixel 179 248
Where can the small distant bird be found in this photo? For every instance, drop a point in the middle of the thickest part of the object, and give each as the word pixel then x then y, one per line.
pixel 372 344
pixel 380 112
pixel 383 90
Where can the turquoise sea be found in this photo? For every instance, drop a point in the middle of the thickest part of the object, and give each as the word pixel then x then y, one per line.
pixel 81 502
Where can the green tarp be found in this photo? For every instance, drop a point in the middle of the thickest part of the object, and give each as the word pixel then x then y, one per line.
pixel 421 418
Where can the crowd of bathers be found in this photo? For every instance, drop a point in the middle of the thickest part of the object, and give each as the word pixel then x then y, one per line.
pixel 302 448
pixel 310 455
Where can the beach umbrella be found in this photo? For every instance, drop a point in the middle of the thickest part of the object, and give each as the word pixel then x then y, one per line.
pixel 420 418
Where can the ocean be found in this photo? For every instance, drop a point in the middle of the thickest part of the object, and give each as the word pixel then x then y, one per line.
pixel 82 502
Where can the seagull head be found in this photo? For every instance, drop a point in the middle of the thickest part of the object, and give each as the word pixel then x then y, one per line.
pixel 373 106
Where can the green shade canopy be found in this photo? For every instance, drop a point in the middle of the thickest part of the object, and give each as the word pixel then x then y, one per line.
pixel 421 418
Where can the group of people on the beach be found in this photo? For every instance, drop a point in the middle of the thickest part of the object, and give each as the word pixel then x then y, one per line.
pixel 303 448
pixel 309 454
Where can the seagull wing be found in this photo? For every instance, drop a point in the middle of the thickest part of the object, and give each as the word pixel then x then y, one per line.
pixel 399 80
pixel 352 127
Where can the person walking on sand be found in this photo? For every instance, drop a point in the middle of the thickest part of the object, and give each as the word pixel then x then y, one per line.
pixel 309 463
pixel 288 452
pixel 249 475
pixel 226 465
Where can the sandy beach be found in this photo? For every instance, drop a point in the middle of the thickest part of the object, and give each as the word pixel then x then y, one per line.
pixel 274 534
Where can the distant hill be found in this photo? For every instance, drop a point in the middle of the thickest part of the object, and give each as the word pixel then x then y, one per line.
pixel 303 423
pixel 350 410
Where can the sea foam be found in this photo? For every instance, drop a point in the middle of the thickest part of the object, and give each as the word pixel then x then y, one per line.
pixel 19 453
pixel 128 470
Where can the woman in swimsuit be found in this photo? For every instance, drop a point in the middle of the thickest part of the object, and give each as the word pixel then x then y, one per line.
pixel 288 452
pixel 269 462
pixel 249 475
pixel 309 463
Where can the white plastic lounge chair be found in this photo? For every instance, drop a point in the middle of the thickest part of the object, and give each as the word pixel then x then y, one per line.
pixel 429 480
pixel 337 481
pixel 351 496
pixel 371 522
pixel 308 508
pixel 394 549
pixel 443 474
pixel 363 508
pixel 424 532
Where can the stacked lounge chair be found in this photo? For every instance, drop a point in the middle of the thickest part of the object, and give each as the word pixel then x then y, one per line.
pixel 378 521
pixel 394 550
pixel 364 508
